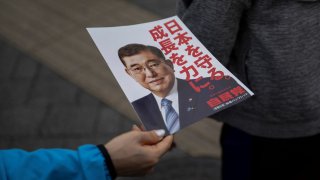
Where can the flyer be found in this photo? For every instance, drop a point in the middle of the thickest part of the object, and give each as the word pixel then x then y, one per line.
pixel 169 77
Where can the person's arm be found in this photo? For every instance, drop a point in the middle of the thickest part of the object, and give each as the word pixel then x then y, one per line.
pixel 132 153
pixel 214 22
pixel 84 163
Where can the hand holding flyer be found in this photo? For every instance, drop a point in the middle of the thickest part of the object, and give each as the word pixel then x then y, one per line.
pixel 169 77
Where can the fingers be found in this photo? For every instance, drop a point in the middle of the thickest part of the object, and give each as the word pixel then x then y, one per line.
pixel 165 145
pixel 152 137
pixel 150 170
pixel 136 152
pixel 138 128
pixel 135 128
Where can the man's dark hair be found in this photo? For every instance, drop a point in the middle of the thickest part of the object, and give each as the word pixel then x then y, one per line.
pixel 133 49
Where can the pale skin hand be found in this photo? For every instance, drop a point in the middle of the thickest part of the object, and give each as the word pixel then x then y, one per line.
pixel 136 152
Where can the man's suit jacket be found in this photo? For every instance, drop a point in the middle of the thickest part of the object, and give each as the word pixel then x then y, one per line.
pixel 192 105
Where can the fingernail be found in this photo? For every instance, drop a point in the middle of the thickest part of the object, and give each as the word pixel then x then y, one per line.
pixel 160 132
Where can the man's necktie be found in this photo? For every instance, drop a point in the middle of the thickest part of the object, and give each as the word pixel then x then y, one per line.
pixel 172 118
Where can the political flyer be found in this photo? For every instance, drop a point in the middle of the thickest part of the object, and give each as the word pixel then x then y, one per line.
pixel 169 77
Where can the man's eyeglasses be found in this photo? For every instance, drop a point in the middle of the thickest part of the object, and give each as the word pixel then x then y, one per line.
pixel 151 65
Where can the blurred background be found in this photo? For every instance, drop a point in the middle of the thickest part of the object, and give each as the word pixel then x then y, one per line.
pixel 56 90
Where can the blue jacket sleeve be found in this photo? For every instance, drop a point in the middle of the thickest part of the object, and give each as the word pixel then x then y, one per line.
pixel 86 162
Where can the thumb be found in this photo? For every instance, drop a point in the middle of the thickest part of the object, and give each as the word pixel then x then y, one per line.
pixel 152 137
pixel 135 128
pixel 165 145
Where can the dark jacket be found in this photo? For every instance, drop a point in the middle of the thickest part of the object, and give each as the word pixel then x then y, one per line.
pixel 274 47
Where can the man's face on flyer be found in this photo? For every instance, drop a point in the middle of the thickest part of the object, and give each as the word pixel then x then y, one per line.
pixel 151 72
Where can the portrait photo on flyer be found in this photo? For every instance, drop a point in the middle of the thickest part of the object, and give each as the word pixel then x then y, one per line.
pixel 169 77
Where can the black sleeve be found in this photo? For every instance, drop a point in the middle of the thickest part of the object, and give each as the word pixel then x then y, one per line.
pixel 108 161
